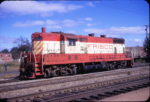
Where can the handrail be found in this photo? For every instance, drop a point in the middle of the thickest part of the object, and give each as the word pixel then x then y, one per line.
pixel 34 58
pixel 30 57
pixel 21 59
pixel 42 64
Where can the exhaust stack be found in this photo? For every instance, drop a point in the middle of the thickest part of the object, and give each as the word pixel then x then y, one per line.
pixel 43 30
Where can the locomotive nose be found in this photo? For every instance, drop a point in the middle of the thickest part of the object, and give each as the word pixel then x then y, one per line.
pixel 43 29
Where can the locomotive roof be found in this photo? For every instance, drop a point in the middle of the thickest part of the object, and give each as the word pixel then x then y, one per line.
pixel 74 36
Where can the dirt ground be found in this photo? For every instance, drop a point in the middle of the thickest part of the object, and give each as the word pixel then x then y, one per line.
pixel 136 96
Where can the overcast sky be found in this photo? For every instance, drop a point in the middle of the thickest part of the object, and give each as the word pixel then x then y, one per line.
pixel 114 18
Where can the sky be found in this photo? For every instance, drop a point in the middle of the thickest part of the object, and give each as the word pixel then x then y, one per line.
pixel 113 18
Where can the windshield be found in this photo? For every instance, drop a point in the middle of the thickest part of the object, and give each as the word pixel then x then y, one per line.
pixel 38 38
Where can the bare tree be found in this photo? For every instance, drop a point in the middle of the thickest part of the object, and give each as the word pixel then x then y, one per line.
pixel 23 44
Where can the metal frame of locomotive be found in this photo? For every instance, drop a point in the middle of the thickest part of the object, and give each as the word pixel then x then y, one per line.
pixel 57 53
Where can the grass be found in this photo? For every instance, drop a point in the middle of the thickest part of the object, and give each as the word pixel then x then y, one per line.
pixel 11 66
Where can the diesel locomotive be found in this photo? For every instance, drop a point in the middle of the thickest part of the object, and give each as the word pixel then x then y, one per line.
pixel 58 53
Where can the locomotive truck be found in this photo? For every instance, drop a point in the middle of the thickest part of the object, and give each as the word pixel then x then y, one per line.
pixel 58 53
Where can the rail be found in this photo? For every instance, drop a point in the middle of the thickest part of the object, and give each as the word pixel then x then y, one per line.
pixel 12 90
pixel 54 96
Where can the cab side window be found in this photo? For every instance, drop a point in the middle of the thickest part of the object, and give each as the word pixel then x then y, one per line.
pixel 72 42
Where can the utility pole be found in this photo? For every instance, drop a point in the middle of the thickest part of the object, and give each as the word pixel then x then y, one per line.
pixel 147 42
pixel 146 29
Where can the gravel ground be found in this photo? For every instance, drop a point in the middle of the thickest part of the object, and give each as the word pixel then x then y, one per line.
pixel 136 96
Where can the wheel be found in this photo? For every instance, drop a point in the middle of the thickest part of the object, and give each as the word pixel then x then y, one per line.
pixel 55 73
pixel 74 70
pixel 107 66
pixel 110 66
pixel 46 75
pixel 63 71
pixel 124 65
pixel 70 71
pixel 119 67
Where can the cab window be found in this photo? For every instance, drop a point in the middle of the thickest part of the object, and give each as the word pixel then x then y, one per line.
pixel 72 42
pixel 38 38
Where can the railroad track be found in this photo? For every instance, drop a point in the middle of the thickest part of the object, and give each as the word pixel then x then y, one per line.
pixel 35 83
pixel 31 89
pixel 97 93
pixel 84 92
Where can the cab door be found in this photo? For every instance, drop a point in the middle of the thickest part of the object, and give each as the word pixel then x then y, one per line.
pixel 83 45
pixel 62 44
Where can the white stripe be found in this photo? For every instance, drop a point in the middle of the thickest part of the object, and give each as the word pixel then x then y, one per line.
pixel 36 43
pixel 39 51
pixel 40 45
pixel 82 47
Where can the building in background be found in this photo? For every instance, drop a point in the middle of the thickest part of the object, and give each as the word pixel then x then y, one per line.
pixel 5 58
pixel 136 52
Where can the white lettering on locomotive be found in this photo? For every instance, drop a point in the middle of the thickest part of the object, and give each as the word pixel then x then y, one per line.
pixel 46 47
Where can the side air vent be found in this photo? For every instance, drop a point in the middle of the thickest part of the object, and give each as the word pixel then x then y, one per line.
pixel 103 36
pixel 92 34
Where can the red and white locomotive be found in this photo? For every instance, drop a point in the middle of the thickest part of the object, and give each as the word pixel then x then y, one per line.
pixel 58 53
